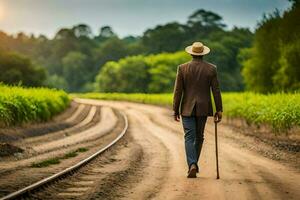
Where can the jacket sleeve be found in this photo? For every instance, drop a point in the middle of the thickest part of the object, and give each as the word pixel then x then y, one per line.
pixel 178 89
pixel 216 91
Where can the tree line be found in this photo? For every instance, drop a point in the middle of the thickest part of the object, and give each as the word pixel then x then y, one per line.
pixel 73 58
pixel 272 63
pixel 77 60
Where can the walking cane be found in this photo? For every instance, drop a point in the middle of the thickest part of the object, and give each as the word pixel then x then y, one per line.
pixel 216 142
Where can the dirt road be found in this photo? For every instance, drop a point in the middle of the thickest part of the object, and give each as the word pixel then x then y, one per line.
pixel 161 173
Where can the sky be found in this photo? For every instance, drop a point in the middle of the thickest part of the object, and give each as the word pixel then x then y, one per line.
pixel 126 17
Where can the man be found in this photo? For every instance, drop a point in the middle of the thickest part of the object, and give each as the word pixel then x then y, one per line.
pixel 192 100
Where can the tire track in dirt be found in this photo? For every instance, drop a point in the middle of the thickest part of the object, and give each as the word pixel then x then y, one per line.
pixel 10 164
pixel 265 184
pixel 100 177
pixel 13 134
pixel 106 124
pixel 155 165
pixel 85 123
pixel 244 174
pixel 92 138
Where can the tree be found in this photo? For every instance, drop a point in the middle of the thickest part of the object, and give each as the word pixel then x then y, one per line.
pixel 270 65
pixel 55 81
pixel 65 34
pixel 296 3
pixel 107 80
pixel 287 77
pixel 206 18
pixel 111 50
pixel 154 73
pixel 128 75
pixel 105 33
pixel 203 23
pixel 16 69
pixel 166 38
pixel 75 70
pixel 162 70
pixel 82 30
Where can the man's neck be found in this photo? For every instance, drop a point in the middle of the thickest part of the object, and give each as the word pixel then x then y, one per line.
pixel 197 59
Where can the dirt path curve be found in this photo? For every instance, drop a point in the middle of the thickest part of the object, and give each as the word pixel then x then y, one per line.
pixel 244 174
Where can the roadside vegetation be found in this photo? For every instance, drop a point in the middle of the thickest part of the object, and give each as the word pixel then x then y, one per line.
pixel 280 111
pixel 19 105
pixel 56 160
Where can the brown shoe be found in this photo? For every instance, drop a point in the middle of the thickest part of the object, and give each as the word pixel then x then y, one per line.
pixel 192 172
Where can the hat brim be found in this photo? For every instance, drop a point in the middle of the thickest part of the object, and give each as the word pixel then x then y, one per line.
pixel 205 51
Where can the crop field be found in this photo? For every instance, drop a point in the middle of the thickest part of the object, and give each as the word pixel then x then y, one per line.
pixel 281 111
pixel 19 105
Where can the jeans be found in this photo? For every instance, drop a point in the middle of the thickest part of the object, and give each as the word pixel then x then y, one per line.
pixel 194 136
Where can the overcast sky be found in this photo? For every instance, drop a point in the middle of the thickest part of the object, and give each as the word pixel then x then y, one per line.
pixel 127 17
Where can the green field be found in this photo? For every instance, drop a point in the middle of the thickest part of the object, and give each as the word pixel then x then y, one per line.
pixel 19 105
pixel 280 111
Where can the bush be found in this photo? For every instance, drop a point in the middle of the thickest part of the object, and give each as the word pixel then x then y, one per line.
pixel 18 104
pixel 141 74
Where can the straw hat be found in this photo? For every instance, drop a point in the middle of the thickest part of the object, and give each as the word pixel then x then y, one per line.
pixel 197 49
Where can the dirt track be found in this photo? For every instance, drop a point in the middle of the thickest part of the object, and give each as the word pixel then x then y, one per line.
pixel 162 173
pixel 149 162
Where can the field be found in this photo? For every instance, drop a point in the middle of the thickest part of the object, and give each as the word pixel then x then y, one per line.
pixel 19 105
pixel 280 111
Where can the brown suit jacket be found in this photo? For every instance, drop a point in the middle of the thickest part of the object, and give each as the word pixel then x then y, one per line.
pixel 193 84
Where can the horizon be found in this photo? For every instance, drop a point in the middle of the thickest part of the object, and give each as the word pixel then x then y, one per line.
pixel 15 17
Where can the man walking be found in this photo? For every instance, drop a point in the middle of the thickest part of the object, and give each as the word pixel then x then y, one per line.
pixel 192 100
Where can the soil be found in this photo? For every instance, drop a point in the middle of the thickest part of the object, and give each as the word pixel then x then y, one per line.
pixel 8 149
pixel 11 170
pixel 244 172
pixel 287 141
pixel 150 162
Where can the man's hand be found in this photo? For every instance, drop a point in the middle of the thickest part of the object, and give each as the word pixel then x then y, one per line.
pixel 176 117
pixel 218 117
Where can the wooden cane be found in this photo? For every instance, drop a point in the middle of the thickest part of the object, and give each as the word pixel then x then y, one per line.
pixel 216 142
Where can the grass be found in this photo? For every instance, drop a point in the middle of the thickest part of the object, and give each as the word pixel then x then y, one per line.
pixel 82 149
pixel 281 111
pixel 70 155
pixel 46 163
pixel 19 105
pixel 56 160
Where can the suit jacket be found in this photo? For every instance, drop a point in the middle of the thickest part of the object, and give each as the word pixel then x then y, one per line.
pixel 194 81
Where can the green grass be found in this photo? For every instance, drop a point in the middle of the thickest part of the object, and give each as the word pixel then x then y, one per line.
pixel 19 105
pixel 56 160
pixel 70 155
pixel 281 111
pixel 82 149
pixel 46 163
pixel 74 153
pixel 158 99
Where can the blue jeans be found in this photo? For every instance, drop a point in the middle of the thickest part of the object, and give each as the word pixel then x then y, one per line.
pixel 194 136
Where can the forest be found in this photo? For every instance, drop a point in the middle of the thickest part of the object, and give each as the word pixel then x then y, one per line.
pixel 77 60
pixel 73 59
